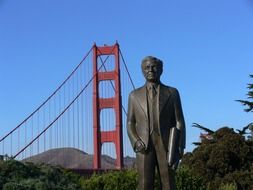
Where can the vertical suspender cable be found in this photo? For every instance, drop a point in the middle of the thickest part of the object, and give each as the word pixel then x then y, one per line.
pixel 64 119
pixel 50 131
pixel 82 114
pixel 18 138
pixel 3 148
pixel 44 124
pixel 28 122
pixel 73 115
pixel 68 115
pixel 38 130
pixel 11 144
pixel 25 136
pixel 31 150
pixel 55 125
pixel 59 123
pixel 77 105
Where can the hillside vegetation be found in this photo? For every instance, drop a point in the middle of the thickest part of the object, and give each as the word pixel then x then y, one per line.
pixel 15 175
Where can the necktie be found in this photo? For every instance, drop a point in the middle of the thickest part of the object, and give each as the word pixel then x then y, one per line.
pixel 153 109
pixel 152 92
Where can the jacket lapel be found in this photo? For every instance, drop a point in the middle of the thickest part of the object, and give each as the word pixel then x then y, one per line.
pixel 142 100
pixel 164 95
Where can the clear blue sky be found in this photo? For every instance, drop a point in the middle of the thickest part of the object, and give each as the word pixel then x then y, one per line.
pixel 206 46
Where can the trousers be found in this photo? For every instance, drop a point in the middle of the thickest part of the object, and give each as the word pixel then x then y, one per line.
pixel 154 156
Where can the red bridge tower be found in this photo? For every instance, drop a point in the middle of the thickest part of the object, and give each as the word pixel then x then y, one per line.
pixel 114 136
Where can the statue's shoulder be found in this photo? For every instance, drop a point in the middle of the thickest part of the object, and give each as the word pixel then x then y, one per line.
pixel 136 91
pixel 169 88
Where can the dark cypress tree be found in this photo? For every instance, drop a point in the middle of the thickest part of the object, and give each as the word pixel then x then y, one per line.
pixel 227 159
pixel 248 103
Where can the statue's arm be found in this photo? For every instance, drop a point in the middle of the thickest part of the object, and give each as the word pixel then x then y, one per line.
pixel 131 121
pixel 180 123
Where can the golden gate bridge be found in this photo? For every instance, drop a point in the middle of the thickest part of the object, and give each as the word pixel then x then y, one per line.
pixel 86 112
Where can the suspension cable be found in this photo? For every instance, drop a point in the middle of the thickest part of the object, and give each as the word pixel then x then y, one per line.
pixel 45 129
pixel 127 69
pixel 48 97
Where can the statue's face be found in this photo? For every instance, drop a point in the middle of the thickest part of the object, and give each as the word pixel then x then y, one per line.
pixel 152 71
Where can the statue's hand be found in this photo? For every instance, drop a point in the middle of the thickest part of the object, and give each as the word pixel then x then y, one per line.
pixel 139 146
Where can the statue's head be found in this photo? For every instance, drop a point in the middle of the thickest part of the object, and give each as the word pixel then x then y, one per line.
pixel 152 69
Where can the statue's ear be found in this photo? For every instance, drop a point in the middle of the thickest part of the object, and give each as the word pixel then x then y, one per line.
pixel 160 71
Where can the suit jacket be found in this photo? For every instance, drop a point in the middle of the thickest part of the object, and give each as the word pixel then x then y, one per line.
pixel 170 115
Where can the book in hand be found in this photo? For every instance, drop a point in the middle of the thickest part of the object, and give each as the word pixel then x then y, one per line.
pixel 173 149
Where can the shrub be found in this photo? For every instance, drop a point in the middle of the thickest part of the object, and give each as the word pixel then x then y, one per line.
pixel 17 175
pixel 127 180
pixel 231 186
pixel 226 159
pixel 123 180
pixel 187 180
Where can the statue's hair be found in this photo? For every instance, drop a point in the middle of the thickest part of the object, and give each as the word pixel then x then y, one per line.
pixel 152 59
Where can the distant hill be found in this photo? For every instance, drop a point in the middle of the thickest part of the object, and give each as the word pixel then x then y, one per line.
pixel 75 159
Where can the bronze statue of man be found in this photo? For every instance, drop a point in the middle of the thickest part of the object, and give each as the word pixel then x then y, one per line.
pixel 156 127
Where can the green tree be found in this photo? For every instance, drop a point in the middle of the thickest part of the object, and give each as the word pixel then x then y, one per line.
pixel 187 180
pixel 248 103
pixel 230 186
pixel 28 176
pixel 226 159
pixel 121 180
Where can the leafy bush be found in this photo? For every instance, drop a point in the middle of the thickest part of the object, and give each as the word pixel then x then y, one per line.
pixel 127 180
pixel 14 186
pixel 17 175
pixel 187 180
pixel 123 180
pixel 226 159
pixel 43 177
pixel 231 186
